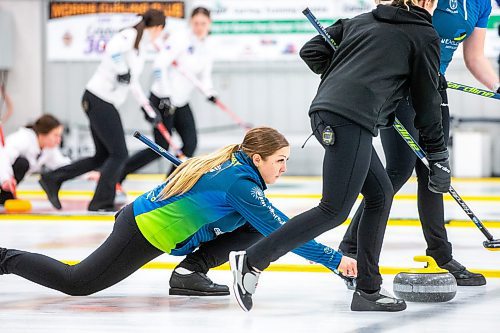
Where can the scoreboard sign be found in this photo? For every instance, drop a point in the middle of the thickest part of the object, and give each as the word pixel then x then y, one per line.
pixel 80 30
pixel 58 9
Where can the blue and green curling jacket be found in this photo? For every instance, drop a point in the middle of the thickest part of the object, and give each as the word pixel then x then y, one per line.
pixel 222 200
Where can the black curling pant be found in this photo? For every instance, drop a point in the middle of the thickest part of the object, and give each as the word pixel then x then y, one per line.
pixel 20 168
pixel 110 152
pixel 182 120
pixel 125 251
pixel 216 252
pixel 401 160
pixel 350 166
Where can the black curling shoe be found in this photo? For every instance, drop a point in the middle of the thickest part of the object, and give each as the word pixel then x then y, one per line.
pixel 362 301
pixel 195 284
pixel 51 188
pixel 462 275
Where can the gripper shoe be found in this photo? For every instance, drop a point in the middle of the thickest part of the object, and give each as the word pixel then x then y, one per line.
pixel 245 279
pixel 377 301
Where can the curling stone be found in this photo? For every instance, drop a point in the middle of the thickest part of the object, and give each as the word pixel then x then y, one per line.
pixel 17 206
pixel 429 284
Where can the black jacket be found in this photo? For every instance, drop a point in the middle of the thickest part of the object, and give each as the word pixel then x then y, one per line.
pixel 381 55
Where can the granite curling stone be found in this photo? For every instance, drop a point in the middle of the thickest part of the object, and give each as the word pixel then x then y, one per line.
pixel 429 284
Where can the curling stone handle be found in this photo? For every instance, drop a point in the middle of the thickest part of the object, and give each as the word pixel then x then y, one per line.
pixel 432 266
pixel 431 263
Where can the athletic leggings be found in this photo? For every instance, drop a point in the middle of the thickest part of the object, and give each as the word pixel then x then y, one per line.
pixel 350 166
pixel 183 122
pixel 110 152
pixel 125 251
pixel 20 167
pixel 400 163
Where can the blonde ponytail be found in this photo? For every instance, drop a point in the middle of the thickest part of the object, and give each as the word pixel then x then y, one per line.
pixel 189 172
pixel 264 141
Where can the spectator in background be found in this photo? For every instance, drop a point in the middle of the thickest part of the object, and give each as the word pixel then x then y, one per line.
pixel 30 149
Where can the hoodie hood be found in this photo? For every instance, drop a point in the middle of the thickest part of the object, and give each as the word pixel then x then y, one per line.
pixel 393 14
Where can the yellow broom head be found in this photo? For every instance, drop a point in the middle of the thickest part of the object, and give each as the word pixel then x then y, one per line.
pixel 17 206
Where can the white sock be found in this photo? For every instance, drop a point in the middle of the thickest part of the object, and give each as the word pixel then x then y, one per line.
pixel 182 271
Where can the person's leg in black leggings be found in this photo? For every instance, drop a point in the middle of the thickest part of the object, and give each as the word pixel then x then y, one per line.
pixel 108 130
pixel 185 125
pixel 110 153
pixel 350 166
pixel 430 204
pixel 146 156
pixel 189 277
pixel 400 162
pixel 431 212
pixel 125 251
pixel 20 168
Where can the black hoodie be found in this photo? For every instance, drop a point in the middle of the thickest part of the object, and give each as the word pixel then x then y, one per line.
pixel 381 55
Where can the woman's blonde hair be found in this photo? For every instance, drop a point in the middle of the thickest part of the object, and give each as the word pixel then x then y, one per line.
pixel 264 141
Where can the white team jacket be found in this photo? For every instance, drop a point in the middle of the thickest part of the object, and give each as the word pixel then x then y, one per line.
pixel 192 56
pixel 119 57
pixel 24 142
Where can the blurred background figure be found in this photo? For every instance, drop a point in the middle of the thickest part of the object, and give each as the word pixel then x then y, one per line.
pixel 30 149
pixel 117 74
pixel 184 55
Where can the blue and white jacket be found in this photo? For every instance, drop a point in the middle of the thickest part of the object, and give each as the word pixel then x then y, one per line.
pixel 222 200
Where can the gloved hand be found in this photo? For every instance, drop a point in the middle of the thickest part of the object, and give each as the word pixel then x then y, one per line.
pixel 123 78
pixel 212 99
pixel 439 173
pixel 151 114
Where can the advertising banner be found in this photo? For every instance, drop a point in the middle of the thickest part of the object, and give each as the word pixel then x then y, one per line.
pixel 79 30
pixel 242 30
